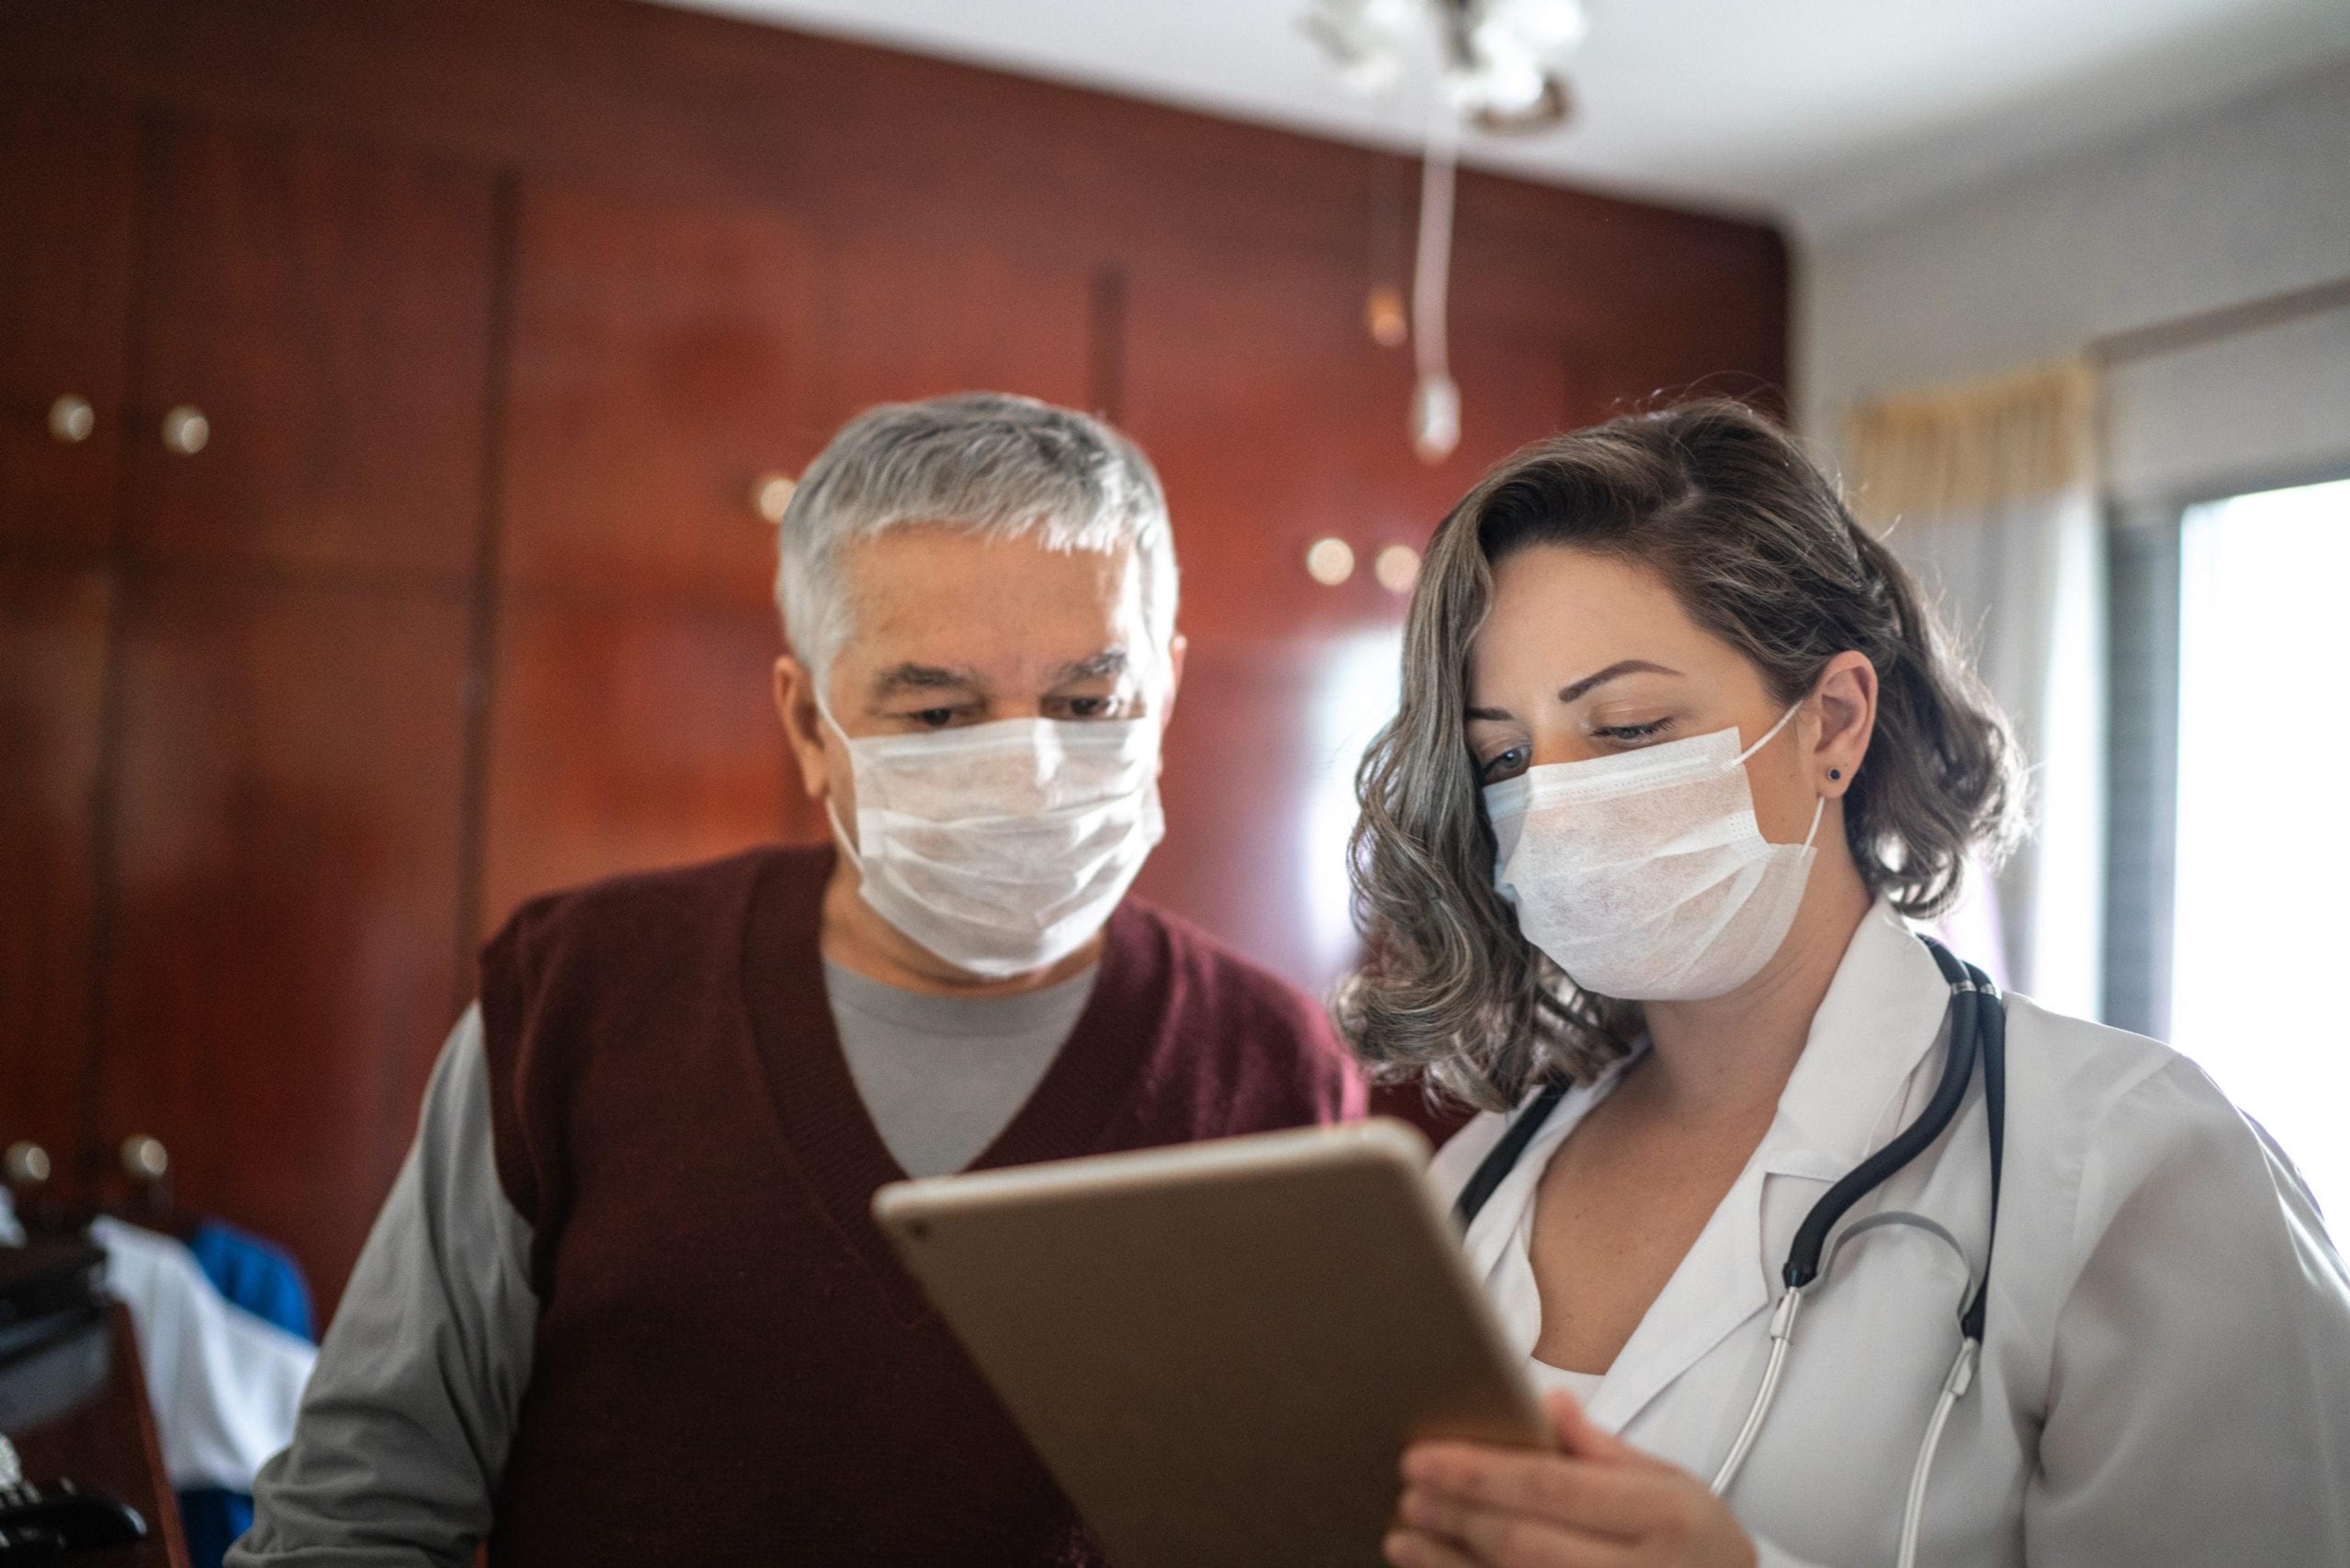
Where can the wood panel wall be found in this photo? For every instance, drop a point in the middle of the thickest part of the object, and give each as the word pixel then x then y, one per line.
pixel 497 309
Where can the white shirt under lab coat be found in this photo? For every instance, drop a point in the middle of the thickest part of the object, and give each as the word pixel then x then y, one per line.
pixel 2166 1371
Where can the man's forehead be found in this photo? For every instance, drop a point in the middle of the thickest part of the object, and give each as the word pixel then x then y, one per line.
pixel 950 600
pixel 910 543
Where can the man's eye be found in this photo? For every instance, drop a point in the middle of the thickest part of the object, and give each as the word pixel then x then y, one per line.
pixel 1088 707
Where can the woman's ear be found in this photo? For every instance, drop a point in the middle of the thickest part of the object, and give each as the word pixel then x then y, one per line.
pixel 1846 696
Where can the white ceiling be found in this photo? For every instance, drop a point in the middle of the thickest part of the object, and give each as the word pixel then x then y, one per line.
pixel 1822 113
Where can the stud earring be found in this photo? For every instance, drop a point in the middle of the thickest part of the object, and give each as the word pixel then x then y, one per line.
pixel 1835 772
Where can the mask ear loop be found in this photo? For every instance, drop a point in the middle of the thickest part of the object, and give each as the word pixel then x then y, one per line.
pixel 832 812
pixel 1768 736
pixel 1819 802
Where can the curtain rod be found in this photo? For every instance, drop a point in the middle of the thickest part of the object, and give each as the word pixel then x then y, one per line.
pixel 2202 327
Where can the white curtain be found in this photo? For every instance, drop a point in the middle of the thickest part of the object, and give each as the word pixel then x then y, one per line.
pixel 1989 490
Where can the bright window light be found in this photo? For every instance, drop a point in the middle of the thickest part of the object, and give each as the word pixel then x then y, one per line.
pixel 1355 691
pixel 2261 932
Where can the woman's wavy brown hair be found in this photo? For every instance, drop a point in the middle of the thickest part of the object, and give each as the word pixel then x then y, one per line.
pixel 1760 550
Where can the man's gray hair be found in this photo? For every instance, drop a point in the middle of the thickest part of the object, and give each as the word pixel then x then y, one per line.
pixel 993 464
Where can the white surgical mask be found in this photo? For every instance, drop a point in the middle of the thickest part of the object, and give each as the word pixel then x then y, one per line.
pixel 1643 876
pixel 1003 848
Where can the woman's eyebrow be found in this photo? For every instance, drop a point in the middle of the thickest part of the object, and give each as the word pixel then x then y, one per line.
pixel 1621 667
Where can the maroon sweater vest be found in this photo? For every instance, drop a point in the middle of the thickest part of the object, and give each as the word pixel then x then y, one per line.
pixel 730 1366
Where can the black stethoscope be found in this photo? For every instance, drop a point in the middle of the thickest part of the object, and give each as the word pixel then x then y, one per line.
pixel 1978 1016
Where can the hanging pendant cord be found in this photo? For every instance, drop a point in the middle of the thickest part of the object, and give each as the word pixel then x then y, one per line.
pixel 1432 264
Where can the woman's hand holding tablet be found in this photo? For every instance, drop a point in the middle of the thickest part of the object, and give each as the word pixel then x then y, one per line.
pixel 1597 1500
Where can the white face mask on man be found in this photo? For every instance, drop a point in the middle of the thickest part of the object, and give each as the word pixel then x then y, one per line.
pixel 1003 848
pixel 1644 876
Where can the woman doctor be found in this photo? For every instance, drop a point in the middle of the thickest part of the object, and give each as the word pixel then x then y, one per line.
pixel 1681 753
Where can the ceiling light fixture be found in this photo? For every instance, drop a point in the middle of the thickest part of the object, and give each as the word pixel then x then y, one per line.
pixel 1499 62
pixel 1498 71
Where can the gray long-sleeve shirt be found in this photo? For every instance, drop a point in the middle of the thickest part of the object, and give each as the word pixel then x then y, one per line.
pixel 405 1425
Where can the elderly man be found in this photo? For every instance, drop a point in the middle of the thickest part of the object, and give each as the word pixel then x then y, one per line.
pixel 625 1303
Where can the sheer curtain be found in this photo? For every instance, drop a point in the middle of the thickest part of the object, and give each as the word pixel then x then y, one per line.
pixel 1989 490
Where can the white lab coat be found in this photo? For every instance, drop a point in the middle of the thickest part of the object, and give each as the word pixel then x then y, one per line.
pixel 2166 1373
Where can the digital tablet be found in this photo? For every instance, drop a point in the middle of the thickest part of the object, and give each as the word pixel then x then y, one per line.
pixel 1222 1349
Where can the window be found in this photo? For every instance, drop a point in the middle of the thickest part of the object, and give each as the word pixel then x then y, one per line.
pixel 2261 939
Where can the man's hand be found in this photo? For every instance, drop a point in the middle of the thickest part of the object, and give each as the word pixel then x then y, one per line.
pixel 1598 1502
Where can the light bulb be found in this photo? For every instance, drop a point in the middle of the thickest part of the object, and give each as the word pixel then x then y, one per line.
pixel 1503 78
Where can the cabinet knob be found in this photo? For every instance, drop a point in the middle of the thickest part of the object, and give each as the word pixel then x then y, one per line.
pixel 770 494
pixel 25 1165
pixel 144 1157
pixel 185 429
pixel 71 419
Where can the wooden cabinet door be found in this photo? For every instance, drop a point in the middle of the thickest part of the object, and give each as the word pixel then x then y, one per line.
pixel 284 960
pixel 284 875
pixel 664 358
pixel 53 638
pixel 67 172
pixel 326 308
pixel 664 364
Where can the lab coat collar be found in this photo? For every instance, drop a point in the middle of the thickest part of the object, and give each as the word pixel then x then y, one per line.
pixel 1881 1015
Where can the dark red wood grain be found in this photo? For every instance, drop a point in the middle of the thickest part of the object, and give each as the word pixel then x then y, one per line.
pixel 326 307
pixel 664 355
pixel 284 880
pixel 53 624
pixel 629 736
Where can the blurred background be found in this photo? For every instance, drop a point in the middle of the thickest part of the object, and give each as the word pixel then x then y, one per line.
pixel 395 400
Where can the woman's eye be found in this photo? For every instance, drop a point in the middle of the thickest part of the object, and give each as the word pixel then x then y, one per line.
pixel 934 718
pixel 1088 707
pixel 1508 765
pixel 1633 734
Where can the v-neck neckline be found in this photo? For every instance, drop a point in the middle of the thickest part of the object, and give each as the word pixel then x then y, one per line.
pixel 828 1132
pixel 1831 1114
